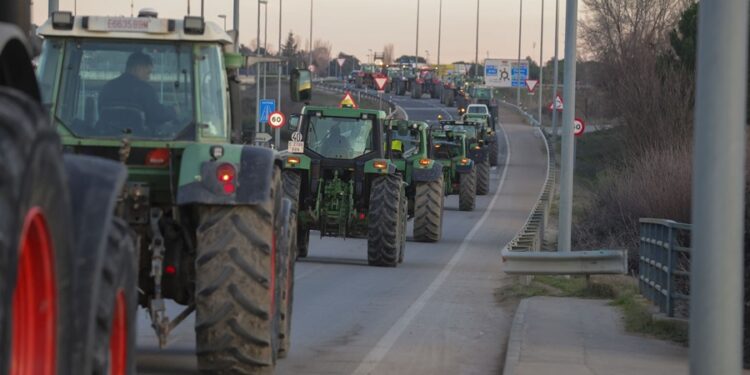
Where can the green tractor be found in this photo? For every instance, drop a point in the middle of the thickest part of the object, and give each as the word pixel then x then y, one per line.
pixel 479 113
pixel 216 232
pixel 449 148
pixel 479 146
pixel 410 151
pixel 337 164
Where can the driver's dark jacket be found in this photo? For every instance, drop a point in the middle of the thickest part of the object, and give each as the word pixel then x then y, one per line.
pixel 129 91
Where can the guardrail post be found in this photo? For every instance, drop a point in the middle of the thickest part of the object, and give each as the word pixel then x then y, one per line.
pixel 670 271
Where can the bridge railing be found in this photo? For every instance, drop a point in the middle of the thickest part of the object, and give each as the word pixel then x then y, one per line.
pixel 664 265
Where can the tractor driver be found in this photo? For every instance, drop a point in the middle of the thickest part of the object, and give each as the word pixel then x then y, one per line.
pixel 132 90
pixel 335 144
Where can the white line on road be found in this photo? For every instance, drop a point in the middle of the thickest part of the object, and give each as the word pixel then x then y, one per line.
pixel 384 345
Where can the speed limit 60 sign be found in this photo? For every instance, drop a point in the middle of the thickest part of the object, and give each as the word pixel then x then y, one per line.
pixel 276 120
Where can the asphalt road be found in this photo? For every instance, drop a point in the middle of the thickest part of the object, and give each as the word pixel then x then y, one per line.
pixel 434 314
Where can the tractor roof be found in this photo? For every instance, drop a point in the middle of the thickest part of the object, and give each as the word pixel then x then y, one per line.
pixel 343 112
pixel 134 28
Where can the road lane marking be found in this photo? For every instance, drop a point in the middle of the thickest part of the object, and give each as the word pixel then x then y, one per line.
pixel 384 345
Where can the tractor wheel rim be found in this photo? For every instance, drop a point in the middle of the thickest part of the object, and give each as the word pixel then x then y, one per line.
pixel 34 305
pixel 118 338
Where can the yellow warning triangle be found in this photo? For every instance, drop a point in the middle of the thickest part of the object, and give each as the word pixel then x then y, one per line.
pixel 348 101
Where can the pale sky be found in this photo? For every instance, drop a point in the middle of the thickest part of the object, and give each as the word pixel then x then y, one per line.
pixel 355 26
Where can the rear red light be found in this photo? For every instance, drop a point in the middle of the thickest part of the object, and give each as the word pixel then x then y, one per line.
pixel 361 216
pixel 170 269
pixel 225 173
pixel 158 157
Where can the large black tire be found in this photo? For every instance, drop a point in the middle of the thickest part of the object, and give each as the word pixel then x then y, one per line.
pixel 291 182
pixel 435 92
pixel 118 281
pixel 416 91
pixel 384 239
pixel 235 297
pixel 428 211
pixel 483 177
pixel 467 195
pixel 32 175
pixel 494 152
pixel 404 220
pixel 450 100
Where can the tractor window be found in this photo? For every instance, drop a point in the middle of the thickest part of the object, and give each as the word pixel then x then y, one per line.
pixel 113 88
pixel 48 65
pixel 339 137
pixel 470 131
pixel 478 109
pixel 446 150
pixel 409 143
pixel 213 97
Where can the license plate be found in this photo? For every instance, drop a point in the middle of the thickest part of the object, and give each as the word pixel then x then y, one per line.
pixel 296 147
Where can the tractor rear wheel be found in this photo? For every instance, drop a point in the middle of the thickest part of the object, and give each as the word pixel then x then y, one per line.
pixel 428 211
pixel 114 337
pixel 467 194
pixel 36 250
pixel 416 91
pixel 236 295
pixel 384 239
pixel 291 182
pixel 493 152
pixel 483 178
pixel 450 99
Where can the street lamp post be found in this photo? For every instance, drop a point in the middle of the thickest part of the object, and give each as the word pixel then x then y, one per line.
pixel 476 48
pixel 277 133
pixel 257 73
pixel 541 66
pixel 416 47
pixel 518 62
pixel 554 86
pixel 236 25
pixel 440 30
pixel 311 31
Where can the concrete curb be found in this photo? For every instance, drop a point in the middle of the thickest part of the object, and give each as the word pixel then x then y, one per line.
pixel 513 352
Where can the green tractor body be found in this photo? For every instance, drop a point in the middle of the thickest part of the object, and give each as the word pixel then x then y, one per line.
pixel 410 152
pixel 158 95
pixel 449 148
pixel 347 185
pixel 482 147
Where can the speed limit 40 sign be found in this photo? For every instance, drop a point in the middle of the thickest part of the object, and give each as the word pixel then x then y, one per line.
pixel 276 120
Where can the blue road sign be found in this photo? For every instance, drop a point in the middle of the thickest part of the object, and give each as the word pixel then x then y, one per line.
pixel 490 70
pixel 267 106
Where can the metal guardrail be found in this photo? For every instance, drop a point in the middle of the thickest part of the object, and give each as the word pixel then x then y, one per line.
pixel 664 265
pixel 524 254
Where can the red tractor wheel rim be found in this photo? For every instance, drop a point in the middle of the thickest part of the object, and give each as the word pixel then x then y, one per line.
pixel 34 305
pixel 118 338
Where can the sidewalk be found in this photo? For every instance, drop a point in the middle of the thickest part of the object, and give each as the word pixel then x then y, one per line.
pixel 573 336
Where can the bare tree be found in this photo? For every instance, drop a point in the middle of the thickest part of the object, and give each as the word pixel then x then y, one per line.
pixel 388 54
pixel 321 55
pixel 629 39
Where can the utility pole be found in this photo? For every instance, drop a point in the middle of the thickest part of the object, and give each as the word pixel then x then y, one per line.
pixel 476 48
pixel 311 30
pixel 257 76
pixel 54 6
pixel 541 66
pixel 265 50
pixel 567 159
pixel 518 62
pixel 440 30
pixel 416 48
pixel 277 133
pixel 554 86
pixel 718 202
pixel 236 25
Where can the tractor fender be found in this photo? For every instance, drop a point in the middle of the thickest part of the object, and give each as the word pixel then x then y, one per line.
pixel 94 185
pixel 16 70
pixel 478 155
pixel 251 184
pixel 428 174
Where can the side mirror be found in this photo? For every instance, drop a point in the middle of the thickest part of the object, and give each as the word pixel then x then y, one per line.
pixel 294 122
pixel 300 85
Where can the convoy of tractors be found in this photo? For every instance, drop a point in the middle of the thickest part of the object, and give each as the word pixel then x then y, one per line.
pixel 131 181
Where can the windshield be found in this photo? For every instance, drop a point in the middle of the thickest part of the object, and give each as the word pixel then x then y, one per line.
pixel 404 144
pixel 483 93
pixel 446 150
pixel 470 131
pixel 478 109
pixel 340 137
pixel 112 88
